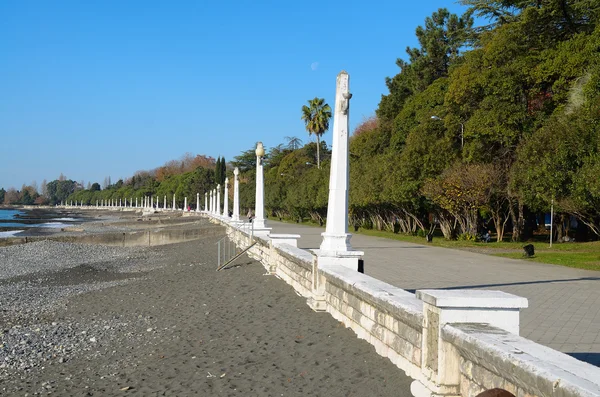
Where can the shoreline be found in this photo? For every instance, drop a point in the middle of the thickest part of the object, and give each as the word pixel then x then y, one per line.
pixel 153 320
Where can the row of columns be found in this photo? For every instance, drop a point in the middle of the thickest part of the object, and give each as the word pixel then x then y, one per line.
pixel 335 248
pixel 212 199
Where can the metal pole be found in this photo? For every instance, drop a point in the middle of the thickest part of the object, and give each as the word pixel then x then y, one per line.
pixel 551 220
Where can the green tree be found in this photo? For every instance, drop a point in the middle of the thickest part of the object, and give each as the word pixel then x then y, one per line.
pixel 316 118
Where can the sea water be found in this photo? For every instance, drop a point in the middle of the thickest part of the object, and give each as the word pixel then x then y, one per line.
pixel 7 218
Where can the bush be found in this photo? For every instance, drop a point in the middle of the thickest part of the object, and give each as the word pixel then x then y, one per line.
pixel 467 237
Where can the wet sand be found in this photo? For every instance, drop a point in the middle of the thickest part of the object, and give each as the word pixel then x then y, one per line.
pixel 177 327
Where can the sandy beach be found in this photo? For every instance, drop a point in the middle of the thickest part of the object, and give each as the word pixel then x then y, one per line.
pixel 93 320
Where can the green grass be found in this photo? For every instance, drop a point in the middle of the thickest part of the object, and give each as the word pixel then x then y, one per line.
pixel 580 260
pixel 577 255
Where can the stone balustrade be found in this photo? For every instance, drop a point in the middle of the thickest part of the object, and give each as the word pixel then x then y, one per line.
pixel 451 342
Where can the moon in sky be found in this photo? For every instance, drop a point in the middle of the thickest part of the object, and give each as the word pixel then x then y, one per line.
pixel 314 66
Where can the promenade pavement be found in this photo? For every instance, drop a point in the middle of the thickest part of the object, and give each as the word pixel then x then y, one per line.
pixel 564 303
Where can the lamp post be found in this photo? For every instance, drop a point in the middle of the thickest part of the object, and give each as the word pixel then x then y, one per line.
pixel 219 199
pixel 226 199
pixel 236 195
pixel 259 210
pixel 462 131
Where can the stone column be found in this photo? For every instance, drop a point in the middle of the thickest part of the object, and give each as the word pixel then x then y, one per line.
pixel 226 199
pixel 165 203
pixel 210 203
pixel 259 205
pixel 120 203
pixel 185 203
pixel 173 202
pixel 131 202
pixel 336 237
pixel 125 202
pixel 219 200
pixel 197 202
pixel 136 202
pixel 214 201
pixel 96 203
pixel 236 195
pixel 205 201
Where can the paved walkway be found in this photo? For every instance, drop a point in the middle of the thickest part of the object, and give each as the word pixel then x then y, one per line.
pixel 564 303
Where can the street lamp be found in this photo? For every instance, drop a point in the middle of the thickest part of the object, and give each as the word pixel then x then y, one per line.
pixel 260 152
pixel 462 131
pixel 259 211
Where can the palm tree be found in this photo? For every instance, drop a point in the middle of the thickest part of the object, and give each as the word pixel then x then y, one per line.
pixel 316 119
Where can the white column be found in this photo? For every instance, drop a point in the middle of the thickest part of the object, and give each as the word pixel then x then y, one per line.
pixel 336 236
pixel 210 203
pixel 165 203
pixel 219 200
pixel 335 247
pixel 226 199
pixel 215 201
pixel 131 202
pixel 197 202
pixel 205 201
pixel 120 203
pixel 236 195
pixel 125 202
pixel 185 203
pixel 259 208
pixel 136 202
pixel 173 202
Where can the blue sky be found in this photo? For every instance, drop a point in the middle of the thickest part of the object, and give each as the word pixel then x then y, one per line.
pixel 105 88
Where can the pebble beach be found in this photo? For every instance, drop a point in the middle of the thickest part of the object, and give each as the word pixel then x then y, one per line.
pixel 98 320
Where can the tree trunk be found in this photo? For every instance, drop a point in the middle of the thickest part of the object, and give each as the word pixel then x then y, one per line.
pixel 318 148
pixel 517 220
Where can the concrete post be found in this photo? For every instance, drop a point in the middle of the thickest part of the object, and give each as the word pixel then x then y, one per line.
pixel 226 199
pixel 197 202
pixel 440 362
pixel 335 247
pixel 219 199
pixel 336 237
pixel 259 207
pixel 236 195
pixel 214 201
pixel 205 201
